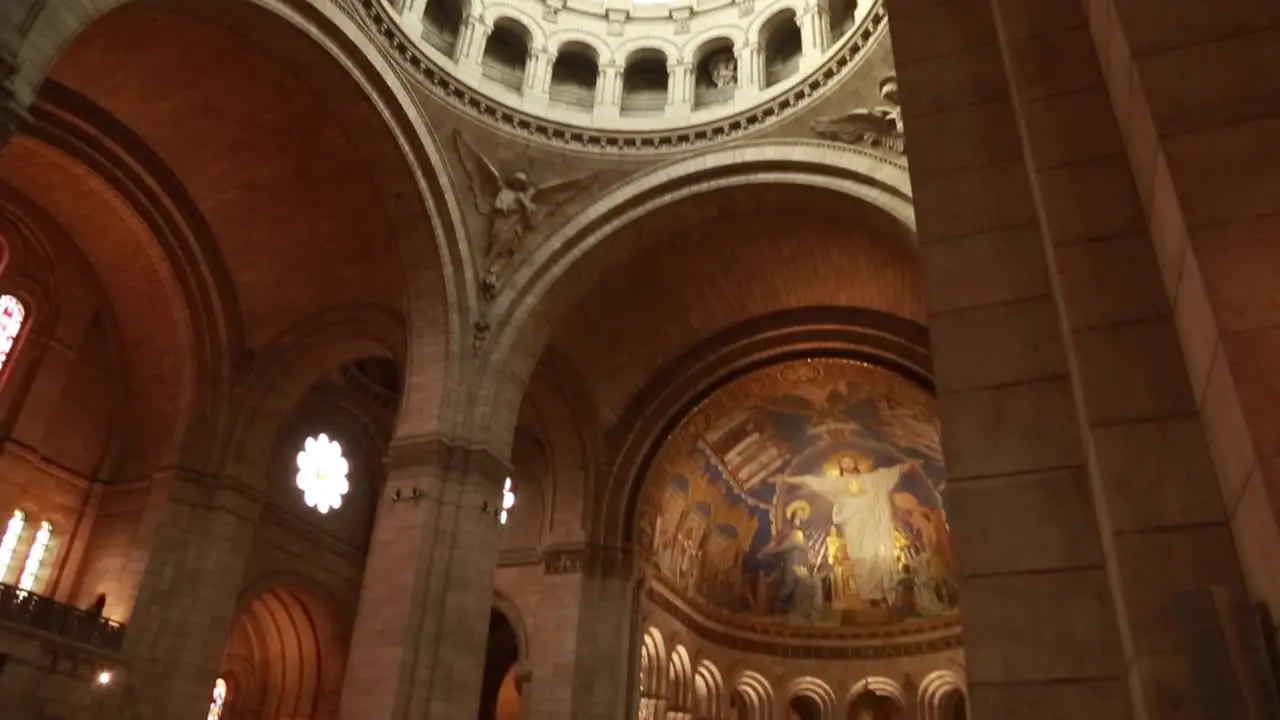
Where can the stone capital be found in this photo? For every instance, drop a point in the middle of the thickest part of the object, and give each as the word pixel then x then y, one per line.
pixel 448 455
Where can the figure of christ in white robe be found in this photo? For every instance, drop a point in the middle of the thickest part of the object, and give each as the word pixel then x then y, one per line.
pixel 862 509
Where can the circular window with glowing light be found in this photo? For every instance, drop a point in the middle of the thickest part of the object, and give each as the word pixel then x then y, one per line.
pixel 322 473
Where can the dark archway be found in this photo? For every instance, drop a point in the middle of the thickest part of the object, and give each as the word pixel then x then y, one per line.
pixel 500 658
pixel 285 657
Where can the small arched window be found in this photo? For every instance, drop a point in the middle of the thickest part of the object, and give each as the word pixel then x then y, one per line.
pixel 9 541
pixel 13 314
pixel 35 556
pixel 219 699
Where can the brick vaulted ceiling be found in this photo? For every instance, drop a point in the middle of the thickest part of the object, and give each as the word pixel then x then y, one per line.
pixel 266 141
pixel 710 262
pixel 301 185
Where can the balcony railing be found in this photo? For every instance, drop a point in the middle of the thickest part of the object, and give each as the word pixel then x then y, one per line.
pixel 67 622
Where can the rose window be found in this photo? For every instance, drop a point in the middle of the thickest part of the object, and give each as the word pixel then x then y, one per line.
pixel 322 473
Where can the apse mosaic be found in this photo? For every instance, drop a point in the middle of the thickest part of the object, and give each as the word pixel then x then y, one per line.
pixel 807 492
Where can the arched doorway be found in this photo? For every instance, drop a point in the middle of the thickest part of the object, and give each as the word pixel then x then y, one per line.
pixel 803 707
pixel 284 659
pixel 501 694
pixel 869 705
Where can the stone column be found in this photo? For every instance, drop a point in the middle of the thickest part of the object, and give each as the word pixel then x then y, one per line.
pixel 608 634
pixel 418 644
pixel 411 15
pixel 1084 508
pixel 680 79
pixel 475 32
pixel 191 549
pixel 748 57
pixel 537 72
pixel 609 86
pixel 1203 141
pixel 813 33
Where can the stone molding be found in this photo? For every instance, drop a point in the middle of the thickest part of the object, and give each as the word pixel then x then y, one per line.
pixel 447 88
pixel 455 458
pixel 792 641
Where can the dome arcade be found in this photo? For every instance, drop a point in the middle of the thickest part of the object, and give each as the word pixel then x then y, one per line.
pixel 596 74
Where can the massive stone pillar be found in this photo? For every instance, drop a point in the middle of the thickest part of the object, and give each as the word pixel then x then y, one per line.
pixel 607 651
pixel 1097 563
pixel 188 555
pixel 418 647
pixel 1192 89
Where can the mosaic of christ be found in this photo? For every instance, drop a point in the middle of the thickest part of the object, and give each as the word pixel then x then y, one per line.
pixel 807 492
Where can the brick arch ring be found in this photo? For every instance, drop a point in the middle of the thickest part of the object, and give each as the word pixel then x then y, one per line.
pixel 863 175
pixel 55 27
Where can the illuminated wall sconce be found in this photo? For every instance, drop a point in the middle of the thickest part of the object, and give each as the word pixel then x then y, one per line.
pixel 104 678
pixel 414 494
pixel 501 512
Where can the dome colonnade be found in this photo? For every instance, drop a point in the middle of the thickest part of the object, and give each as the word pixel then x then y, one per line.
pixel 620 66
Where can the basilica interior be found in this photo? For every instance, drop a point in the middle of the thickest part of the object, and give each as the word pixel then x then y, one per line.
pixel 622 360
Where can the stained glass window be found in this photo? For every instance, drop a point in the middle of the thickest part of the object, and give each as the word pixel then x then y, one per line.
pixel 322 473
pixel 219 699
pixel 9 541
pixel 35 556
pixel 12 315
pixel 508 501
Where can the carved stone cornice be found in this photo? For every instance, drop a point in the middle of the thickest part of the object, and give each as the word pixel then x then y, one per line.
pixel 446 88
pixel 451 456
pixel 566 561
pixel 820 643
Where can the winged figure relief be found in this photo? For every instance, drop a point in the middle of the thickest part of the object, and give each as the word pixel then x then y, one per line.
pixel 512 204
pixel 876 127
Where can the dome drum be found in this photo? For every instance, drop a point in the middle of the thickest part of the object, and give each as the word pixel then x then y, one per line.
pixel 627 66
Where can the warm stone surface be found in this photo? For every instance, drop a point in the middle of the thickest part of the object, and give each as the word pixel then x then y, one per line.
pixel 235 225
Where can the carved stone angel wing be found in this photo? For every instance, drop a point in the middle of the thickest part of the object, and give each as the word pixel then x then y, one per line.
pixel 552 196
pixel 861 127
pixel 484 178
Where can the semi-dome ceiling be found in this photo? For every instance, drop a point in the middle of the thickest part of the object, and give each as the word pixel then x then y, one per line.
pixel 803 494
pixel 623 76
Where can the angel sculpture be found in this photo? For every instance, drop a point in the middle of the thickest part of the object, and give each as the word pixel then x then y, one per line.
pixel 879 127
pixel 513 205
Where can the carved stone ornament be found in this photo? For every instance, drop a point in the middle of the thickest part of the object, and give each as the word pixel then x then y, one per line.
pixel 550 14
pixel 562 562
pixel 879 127
pixel 513 206
pixel 746 8
pixel 480 335
pixel 724 70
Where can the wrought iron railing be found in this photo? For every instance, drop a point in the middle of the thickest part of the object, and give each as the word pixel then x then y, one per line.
pixel 67 622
